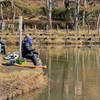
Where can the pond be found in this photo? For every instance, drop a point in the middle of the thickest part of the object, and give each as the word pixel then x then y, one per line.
pixel 73 72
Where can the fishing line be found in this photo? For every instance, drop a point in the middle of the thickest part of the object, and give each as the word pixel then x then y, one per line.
pixel 59 56
pixel 56 59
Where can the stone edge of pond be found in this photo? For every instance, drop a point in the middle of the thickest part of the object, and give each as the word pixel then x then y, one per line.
pixel 10 40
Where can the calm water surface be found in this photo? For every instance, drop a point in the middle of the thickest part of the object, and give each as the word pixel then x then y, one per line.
pixel 73 73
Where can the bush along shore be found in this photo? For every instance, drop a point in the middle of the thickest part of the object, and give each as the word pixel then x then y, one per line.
pixel 15 81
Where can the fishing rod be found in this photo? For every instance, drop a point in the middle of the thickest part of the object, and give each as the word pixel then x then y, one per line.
pixel 56 59
pixel 59 55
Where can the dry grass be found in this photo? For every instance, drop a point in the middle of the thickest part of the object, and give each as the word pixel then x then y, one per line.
pixel 15 81
pixel 85 31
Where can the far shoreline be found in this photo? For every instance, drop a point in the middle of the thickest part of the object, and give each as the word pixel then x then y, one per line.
pixel 49 39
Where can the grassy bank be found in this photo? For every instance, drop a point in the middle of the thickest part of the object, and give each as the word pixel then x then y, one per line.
pixel 56 37
pixel 15 81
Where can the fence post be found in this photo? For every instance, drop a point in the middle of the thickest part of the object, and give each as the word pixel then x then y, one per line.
pixel 47 28
pixel 57 27
pixel 67 29
pixel 24 29
pixel 98 30
pixel 88 29
pixel 78 30
pixel 35 28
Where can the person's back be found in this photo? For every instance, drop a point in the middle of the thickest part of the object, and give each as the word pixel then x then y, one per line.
pixel 28 52
pixel 26 49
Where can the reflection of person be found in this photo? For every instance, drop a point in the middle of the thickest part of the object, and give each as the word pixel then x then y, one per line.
pixel 3 47
pixel 28 51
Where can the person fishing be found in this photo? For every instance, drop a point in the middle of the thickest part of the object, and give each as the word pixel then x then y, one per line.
pixel 28 50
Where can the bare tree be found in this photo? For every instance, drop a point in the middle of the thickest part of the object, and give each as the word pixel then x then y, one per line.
pixel 98 18
pixel 1 13
pixel 76 8
pixel 49 12
pixel 13 16
pixel 83 17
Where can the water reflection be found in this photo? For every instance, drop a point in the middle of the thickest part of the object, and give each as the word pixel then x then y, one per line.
pixel 73 72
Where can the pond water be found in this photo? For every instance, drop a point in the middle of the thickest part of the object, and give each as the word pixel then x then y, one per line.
pixel 73 73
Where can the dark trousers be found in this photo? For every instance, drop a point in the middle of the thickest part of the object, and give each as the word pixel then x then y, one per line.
pixel 3 51
pixel 34 59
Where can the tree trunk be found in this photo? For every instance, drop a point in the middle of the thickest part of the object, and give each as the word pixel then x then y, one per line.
pixel 83 17
pixel 49 12
pixel 13 21
pixel 76 8
pixel 1 14
pixel 13 17
pixel 98 18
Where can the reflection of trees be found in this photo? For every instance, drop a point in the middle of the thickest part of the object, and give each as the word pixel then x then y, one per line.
pixel 79 72
pixel 49 76
pixel 83 75
pixel 85 69
pixel 77 82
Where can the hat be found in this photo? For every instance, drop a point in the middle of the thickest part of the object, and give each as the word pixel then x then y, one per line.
pixel 28 39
